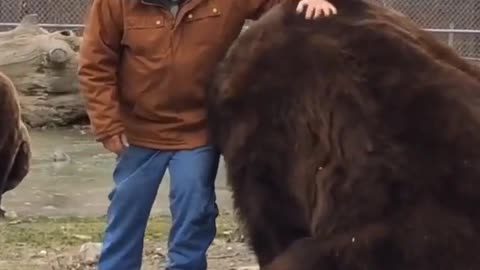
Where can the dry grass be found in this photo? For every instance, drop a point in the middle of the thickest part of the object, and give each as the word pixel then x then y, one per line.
pixel 52 243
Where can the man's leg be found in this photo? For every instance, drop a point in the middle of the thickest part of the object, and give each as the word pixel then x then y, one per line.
pixel 193 207
pixel 137 177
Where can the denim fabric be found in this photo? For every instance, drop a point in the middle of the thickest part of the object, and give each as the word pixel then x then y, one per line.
pixel 138 174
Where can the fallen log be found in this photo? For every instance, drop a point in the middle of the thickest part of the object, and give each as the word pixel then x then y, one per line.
pixel 43 67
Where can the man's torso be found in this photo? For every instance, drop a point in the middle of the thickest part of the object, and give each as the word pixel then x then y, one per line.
pixel 167 61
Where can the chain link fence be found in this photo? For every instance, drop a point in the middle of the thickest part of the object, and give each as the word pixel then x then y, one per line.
pixel 455 22
pixel 53 14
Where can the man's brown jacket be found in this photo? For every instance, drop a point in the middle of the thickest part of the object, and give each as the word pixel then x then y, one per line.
pixel 144 71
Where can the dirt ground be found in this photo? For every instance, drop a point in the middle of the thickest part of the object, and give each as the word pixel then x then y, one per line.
pixel 54 244
pixel 67 166
pixel 52 220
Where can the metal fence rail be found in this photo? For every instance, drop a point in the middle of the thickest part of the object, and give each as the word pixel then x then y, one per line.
pixel 456 23
pixel 58 13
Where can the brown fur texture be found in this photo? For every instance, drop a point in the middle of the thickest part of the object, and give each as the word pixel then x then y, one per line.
pixel 15 153
pixel 351 142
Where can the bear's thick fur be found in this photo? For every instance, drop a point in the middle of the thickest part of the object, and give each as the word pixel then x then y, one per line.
pixel 351 142
pixel 15 153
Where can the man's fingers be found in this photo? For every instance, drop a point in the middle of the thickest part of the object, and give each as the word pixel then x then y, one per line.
pixel 332 8
pixel 301 7
pixel 318 12
pixel 119 147
pixel 310 12
pixel 114 144
pixel 327 9
pixel 315 11
pixel 124 140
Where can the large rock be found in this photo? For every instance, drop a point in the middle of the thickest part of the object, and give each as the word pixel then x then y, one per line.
pixel 89 253
pixel 43 67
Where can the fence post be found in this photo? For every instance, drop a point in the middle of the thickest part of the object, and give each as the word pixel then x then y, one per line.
pixel 451 35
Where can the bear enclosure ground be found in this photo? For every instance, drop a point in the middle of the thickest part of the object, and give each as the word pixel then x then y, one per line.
pixel 69 166
pixel 55 244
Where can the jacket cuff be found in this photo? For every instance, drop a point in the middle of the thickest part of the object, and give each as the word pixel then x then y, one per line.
pixel 101 136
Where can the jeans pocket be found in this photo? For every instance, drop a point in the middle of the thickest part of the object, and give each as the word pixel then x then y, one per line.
pixel 120 156
pixel 118 160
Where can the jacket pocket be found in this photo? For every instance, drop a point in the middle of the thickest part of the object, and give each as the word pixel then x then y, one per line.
pixel 204 25
pixel 147 36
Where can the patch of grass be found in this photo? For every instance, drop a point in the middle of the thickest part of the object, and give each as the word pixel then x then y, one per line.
pixel 60 233
pixel 54 232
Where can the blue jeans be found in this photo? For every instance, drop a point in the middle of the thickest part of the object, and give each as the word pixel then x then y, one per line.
pixel 137 177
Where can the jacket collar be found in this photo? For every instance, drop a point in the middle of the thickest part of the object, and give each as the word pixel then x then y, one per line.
pixel 162 3
pixel 187 6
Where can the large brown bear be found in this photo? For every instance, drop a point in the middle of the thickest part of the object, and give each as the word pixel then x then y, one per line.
pixel 351 142
pixel 15 153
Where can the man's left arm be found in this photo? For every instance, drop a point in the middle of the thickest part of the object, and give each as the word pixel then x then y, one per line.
pixel 313 8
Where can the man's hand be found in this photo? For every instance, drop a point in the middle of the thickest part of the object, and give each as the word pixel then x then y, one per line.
pixel 116 144
pixel 315 8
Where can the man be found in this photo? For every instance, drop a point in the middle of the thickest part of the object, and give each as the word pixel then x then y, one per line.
pixel 143 70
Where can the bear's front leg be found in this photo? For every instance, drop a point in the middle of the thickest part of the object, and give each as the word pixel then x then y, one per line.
pixel 272 217
pixel 342 251
pixel 272 233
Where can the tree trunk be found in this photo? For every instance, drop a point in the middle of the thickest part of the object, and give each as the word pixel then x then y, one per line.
pixel 43 67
